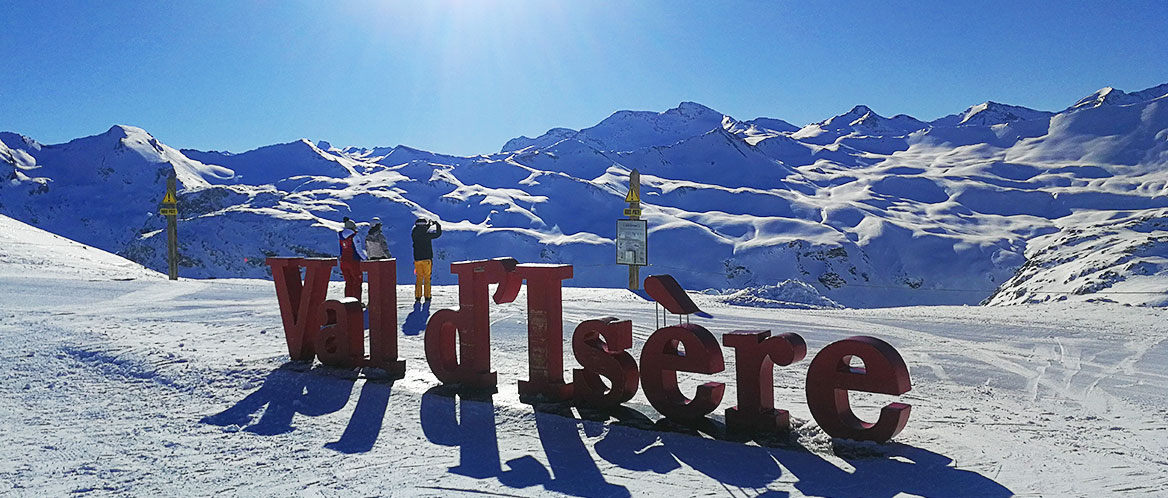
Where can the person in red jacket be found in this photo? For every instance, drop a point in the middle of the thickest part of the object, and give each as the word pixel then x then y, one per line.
pixel 352 252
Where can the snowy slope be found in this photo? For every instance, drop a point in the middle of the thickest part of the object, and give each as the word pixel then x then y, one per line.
pixel 273 163
pixel 870 211
pixel 1122 260
pixel 148 387
pixel 28 252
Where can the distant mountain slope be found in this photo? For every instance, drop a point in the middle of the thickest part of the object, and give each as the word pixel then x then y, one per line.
pixel 1111 96
pixel 860 121
pixel 1124 261
pixel 100 189
pixel 630 130
pixel 870 211
pixel 273 163
pixel 989 114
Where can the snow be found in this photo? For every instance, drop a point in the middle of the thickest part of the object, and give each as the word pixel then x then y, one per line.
pixel 1119 261
pixel 117 381
pixel 989 114
pixel 870 211
pixel 26 250
pixel 792 294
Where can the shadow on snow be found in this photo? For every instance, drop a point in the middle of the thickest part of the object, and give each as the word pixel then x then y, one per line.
pixel 628 440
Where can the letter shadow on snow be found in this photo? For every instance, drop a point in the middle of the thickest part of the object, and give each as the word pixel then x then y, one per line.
pixel 295 388
pixel 468 423
pixel 416 321
pixel 635 443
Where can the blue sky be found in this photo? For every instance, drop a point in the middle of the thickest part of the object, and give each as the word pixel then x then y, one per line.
pixel 465 76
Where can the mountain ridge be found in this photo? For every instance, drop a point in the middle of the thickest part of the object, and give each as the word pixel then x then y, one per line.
pixel 927 214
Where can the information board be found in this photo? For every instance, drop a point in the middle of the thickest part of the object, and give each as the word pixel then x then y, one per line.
pixel 632 247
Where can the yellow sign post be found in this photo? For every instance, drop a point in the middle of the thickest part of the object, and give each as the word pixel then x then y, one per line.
pixel 170 211
pixel 632 236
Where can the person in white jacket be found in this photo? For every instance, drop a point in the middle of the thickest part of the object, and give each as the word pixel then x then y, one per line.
pixel 375 241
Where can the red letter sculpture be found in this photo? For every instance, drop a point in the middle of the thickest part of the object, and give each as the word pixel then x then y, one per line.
pixel 383 316
pixel 599 346
pixel 755 357
pixel 545 333
pixel 665 290
pixel 831 376
pixel 300 301
pixel 660 362
pixel 470 367
pixel 341 342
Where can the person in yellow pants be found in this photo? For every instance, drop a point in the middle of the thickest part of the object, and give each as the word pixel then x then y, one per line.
pixel 424 256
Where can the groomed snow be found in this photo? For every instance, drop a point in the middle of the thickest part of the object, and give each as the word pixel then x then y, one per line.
pixel 148 387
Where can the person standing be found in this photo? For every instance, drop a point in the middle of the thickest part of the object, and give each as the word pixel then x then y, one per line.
pixel 423 255
pixel 352 252
pixel 375 243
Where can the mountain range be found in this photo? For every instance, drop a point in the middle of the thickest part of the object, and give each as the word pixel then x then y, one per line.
pixel 998 203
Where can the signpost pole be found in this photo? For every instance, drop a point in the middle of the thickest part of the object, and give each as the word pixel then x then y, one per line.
pixel 634 212
pixel 170 210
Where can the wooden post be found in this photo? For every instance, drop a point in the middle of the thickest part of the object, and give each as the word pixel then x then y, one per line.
pixel 634 200
pixel 170 210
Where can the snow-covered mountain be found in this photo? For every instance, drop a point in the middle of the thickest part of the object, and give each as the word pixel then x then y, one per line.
pixel 631 130
pixel 860 121
pixel 870 211
pixel 991 113
pixel 1111 96
pixel 273 163
pixel 100 189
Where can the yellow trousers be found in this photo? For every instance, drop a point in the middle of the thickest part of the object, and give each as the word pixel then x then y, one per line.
pixel 422 271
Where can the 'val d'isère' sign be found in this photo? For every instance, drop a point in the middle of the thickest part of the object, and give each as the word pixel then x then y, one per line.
pixel 333 331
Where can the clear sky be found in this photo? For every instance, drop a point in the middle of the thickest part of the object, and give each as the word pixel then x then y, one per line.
pixel 463 77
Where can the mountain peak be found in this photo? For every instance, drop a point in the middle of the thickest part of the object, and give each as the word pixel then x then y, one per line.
pixel 123 131
pixel 629 130
pixel 990 113
pixel 849 118
pixel 18 141
pixel 1112 96
pixel 860 120
pixel 693 109
pixel 859 110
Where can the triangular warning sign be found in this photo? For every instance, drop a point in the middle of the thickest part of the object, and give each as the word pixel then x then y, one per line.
pixel 634 186
pixel 169 199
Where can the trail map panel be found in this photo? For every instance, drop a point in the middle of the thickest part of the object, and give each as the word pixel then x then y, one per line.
pixel 632 246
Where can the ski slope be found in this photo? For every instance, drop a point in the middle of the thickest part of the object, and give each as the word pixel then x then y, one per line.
pixel 119 382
